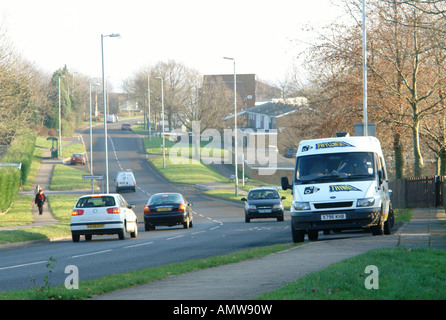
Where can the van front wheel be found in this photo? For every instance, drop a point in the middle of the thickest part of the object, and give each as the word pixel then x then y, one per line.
pixel 298 235
pixel 378 230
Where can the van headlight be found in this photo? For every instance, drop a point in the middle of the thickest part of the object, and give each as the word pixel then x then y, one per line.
pixel 366 202
pixel 298 205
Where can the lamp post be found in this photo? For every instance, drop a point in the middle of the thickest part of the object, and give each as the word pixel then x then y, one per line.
pixel 235 126
pixel 364 68
pixel 91 138
pixel 148 103
pixel 162 116
pixel 60 118
pixel 113 35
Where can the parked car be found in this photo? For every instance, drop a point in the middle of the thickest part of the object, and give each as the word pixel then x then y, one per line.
pixel 126 126
pixel 291 152
pixel 125 180
pixel 167 209
pixel 78 158
pixel 103 214
pixel 263 203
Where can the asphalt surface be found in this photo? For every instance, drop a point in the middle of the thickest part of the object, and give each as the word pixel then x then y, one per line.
pixel 249 279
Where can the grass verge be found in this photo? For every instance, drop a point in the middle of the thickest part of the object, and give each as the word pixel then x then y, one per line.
pixel 68 178
pixel 186 171
pixel 402 274
pixel 130 279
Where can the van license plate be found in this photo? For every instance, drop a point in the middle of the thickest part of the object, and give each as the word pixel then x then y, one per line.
pixel 337 216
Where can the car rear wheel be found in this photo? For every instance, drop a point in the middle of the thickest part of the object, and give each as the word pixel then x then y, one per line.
pixel 121 234
pixel 148 226
pixel 75 237
pixel 134 234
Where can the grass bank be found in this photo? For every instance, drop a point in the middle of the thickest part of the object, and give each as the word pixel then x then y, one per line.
pixel 130 279
pixel 401 274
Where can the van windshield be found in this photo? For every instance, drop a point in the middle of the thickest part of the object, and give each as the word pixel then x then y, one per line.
pixel 332 167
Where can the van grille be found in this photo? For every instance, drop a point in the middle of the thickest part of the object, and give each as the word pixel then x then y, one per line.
pixel 331 205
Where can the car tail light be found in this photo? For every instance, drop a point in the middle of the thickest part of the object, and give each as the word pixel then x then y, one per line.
pixel 147 209
pixel 114 210
pixel 77 212
pixel 182 207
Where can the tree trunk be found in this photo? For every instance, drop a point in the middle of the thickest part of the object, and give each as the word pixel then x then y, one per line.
pixel 419 163
pixel 399 157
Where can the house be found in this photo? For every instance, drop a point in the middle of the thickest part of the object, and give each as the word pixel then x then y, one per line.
pixel 268 118
pixel 246 86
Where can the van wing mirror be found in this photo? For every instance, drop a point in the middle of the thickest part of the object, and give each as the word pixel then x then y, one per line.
pixel 285 183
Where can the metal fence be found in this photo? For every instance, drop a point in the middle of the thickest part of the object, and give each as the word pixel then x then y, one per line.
pixel 420 192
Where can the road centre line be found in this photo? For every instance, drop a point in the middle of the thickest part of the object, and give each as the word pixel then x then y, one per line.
pixel 23 265
pixel 198 232
pixel 91 253
pixel 180 236
pixel 140 244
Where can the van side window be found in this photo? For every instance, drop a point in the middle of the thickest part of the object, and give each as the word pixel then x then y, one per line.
pixel 381 161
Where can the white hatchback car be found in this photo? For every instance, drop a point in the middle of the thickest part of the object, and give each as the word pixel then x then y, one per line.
pixel 103 214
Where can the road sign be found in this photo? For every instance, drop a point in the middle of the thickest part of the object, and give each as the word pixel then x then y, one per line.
pixel 92 177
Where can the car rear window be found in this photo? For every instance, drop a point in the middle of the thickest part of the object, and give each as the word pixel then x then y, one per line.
pixel 165 198
pixel 95 202
pixel 263 194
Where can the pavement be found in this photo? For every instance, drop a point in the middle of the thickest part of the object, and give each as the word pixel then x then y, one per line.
pixel 249 279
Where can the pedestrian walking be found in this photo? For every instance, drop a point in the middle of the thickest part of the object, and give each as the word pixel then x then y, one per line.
pixel 40 200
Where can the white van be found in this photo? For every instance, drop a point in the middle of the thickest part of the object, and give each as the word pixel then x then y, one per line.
pixel 125 180
pixel 339 183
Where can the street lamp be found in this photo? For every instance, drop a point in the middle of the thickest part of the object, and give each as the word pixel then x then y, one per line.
pixel 162 114
pixel 235 126
pixel 113 35
pixel 91 138
pixel 148 103
pixel 60 117
pixel 364 68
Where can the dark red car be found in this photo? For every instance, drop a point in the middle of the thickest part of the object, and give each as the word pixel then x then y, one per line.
pixel 126 126
pixel 78 158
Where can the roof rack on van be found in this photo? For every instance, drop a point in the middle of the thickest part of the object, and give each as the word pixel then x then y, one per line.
pixel 341 134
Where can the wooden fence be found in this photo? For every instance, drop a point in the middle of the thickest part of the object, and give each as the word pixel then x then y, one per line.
pixel 421 192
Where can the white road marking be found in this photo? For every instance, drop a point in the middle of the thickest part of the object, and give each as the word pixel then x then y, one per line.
pixel 91 253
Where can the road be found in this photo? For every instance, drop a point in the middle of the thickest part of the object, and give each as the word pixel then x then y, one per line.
pixel 219 228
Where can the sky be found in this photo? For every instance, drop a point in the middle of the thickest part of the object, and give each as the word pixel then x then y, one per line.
pixel 261 35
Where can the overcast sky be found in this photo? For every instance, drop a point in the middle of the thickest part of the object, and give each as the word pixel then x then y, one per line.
pixel 198 33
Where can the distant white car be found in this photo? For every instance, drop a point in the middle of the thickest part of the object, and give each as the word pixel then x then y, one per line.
pixel 103 214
